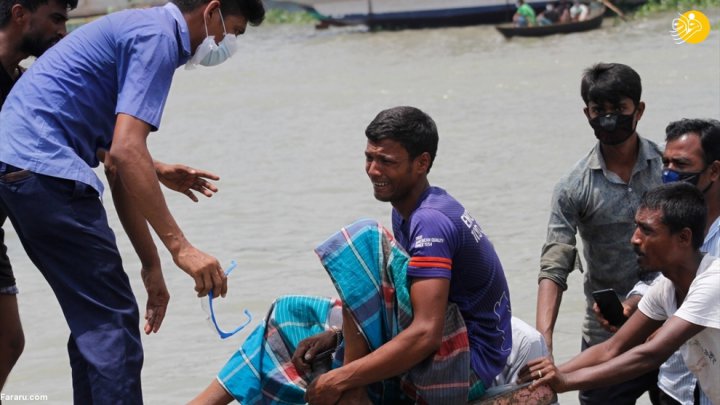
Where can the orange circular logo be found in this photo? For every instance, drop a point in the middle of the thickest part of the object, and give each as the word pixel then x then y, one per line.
pixel 691 27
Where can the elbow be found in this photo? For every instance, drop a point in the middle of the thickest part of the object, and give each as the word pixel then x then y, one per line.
pixel 120 155
pixel 111 170
pixel 428 340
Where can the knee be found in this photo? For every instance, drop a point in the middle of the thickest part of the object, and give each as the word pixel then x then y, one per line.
pixel 13 344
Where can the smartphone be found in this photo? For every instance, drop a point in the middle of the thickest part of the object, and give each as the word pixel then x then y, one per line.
pixel 610 306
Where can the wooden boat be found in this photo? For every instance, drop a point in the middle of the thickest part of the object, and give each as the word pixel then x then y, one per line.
pixel 593 21
pixel 392 14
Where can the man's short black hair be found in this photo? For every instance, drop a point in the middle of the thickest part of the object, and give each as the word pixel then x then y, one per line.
pixel 32 5
pixel 708 130
pixel 609 82
pixel 682 206
pixel 410 127
pixel 252 10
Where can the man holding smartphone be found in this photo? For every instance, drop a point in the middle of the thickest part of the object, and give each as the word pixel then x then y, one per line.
pixel 681 311
pixel 597 200
pixel 692 154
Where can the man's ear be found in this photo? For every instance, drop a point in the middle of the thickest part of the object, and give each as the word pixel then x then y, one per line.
pixel 19 13
pixel 715 171
pixel 640 110
pixel 210 8
pixel 423 162
pixel 685 236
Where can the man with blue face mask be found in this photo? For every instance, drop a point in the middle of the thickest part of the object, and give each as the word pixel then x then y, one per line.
pixel 692 154
pixel 96 96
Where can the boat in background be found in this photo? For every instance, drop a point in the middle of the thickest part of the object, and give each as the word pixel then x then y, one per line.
pixel 392 14
pixel 593 21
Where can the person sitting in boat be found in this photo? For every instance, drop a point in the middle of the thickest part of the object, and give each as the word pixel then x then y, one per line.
pixel 550 16
pixel 525 15
pixel 579 11
pixel 425 314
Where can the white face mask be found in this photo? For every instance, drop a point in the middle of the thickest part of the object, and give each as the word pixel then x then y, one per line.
pixel 209 53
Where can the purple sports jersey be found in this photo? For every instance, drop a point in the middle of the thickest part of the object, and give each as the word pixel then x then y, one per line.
pixel 443 240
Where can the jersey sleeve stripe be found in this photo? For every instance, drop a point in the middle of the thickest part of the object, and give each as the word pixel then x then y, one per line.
pixel 431 259
pixel 438 265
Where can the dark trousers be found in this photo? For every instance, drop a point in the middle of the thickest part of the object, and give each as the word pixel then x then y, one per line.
pixel 625 393
pixel 665 399
pixel 63 228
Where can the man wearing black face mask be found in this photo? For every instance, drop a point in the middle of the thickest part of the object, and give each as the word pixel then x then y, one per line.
pixel 598 200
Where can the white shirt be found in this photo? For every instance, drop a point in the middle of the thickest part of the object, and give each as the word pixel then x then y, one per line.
pixel 701 306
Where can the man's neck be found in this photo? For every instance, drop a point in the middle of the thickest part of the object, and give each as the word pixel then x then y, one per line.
pixel 10 56
pixel 712 201
pixel 620 159
pixel 408 204
pixel 684 273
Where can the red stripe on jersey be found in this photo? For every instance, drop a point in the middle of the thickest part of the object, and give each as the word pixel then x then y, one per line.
pixel 434 262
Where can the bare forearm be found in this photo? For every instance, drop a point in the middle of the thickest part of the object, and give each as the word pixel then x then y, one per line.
pixel 392 359
pixel 614 370
pixel 589 357
pixel 548 305
pixel 134 224
pixel 130 160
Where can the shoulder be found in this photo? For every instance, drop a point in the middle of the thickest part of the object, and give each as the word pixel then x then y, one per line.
pixel 708 272
pixel 579 173
pixel 437 206
pixel 143 24
pixel 427 218
pixel 657 302
pixel 701 305
pixel 650 149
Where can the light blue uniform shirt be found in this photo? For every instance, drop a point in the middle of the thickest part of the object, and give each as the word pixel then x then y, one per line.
pixel 63 109
pixel 712 239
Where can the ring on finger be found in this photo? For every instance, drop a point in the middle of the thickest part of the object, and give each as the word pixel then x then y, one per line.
pixel 539 374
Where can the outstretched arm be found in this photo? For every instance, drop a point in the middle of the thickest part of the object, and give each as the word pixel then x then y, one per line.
pixel 624 356
pixel 130 160
pixel 181 178
pixel 185 179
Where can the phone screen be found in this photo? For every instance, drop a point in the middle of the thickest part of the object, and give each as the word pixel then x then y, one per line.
pixel 610 306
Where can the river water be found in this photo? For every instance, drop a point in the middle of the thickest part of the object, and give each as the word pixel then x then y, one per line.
pixel 282 123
